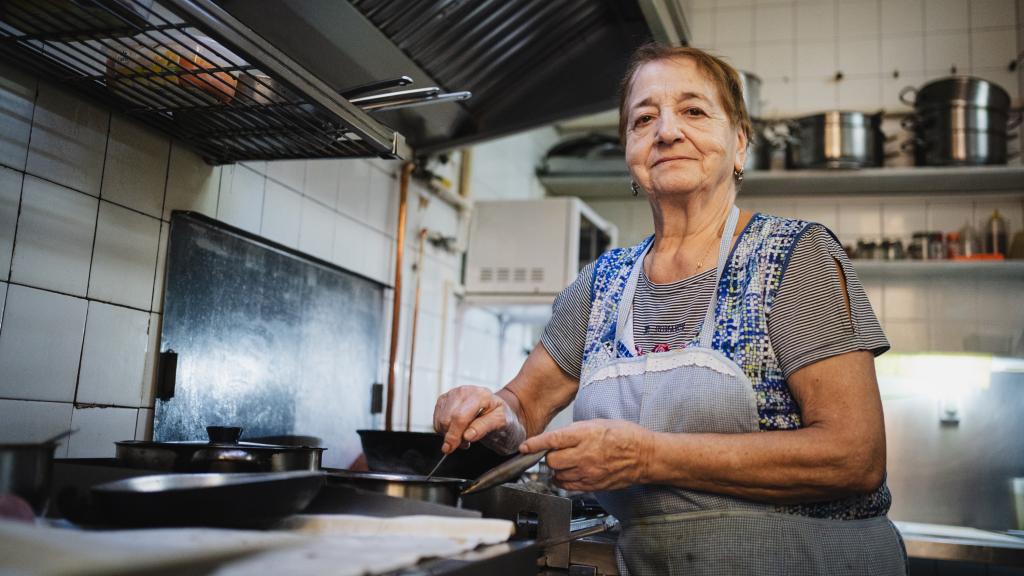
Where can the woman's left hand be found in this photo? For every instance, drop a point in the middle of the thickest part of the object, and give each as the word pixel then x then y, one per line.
pixel 595 454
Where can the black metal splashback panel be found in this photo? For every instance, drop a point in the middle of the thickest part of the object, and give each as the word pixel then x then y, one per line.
pixel 267 339
pixel 189 69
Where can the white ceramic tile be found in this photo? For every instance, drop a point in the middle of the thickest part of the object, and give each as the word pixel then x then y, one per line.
pixel 946 15
pixel 948 216
pixel 159 279
pixel 17 99
pixel 735 3
pixel 816 21
pixel 149 370
pixel 191 183
pixel 68 139
pixel 124 260
pixel 734 25
pixel 316 236
pixel 382 203
pixel 740 56
pixel 113 356
pixel 907 336
pixel 144 425
pixel 40 344
pixel 10 198
pixel 282 214
pixel 290 173
pixel 900 17
pixel 257 166
pixel 906 300
pixel 380 257
pixel 992 13
pixel 953 299
pixel 858 19
pixel 859 57
pixel 98 429
pixel 775 60
pixel 354 187
pixel 904 54
pixel 135 174
pixel 241 198
pixel 349 239
pixel 901 220
pixel 826 214
pixel 774 22
pixel 864 94
pixel 816 60
pixel 863 219
pixel 28 421
pixel 702 28
pixel 3 300
pixel 943 52
pixel 53 243
pixel 322 180
pixel 993 48
pixel 1000 302
pixel 947 336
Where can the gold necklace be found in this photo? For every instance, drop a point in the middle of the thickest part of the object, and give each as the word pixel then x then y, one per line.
pixel 700 263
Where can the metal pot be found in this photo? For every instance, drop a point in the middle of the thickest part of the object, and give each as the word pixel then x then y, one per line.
pixel 835 139
pixel 223 453
pixel 436 489
pixel 763 144
pixel 417 453
pixel 958 121
pixel 751 85
pixel 26 471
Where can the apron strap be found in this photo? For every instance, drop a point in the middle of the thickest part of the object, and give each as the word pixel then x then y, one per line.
pixel 707 329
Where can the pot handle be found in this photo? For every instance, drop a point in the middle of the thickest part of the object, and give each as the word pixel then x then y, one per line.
pixel 910 145
pixel 903 95
pixel 1016 121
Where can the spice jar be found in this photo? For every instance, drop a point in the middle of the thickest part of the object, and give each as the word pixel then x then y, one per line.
pixel 953 246
pixel 969 241
pixel 936 247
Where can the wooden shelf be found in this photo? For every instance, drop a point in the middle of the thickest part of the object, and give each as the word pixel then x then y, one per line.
pixel 999 180
pixel 982 269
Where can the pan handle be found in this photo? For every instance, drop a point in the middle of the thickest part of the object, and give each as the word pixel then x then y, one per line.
pixel 166 375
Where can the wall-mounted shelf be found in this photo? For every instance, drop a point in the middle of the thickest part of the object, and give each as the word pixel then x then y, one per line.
pixel 190 69
pixel 998 180
pixel 981 269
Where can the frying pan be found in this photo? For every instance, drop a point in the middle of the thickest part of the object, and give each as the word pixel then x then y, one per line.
pixel 417 452
pixel 240 500
pixel 438 490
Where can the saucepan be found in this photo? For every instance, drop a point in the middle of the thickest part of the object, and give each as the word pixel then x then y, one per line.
pixel 438 490
pixel 396 452
pixel 26 470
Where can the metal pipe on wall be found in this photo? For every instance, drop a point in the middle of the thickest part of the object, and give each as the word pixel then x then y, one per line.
pixel 396 308
pixel 415 319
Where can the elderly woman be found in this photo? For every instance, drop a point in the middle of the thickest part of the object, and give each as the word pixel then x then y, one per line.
pixel 726 406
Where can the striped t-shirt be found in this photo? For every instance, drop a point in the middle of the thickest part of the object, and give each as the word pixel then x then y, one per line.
pixel 808 321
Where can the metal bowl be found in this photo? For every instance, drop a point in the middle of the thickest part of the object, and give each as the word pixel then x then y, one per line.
pixel 26 471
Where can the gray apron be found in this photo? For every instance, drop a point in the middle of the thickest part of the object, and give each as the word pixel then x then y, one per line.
pixel 668 530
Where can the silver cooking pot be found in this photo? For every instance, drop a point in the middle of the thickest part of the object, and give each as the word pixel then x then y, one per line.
pixel 958 121
pixel 836 139
pixel 222 453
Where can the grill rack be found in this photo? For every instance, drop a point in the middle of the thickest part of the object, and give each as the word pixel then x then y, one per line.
pixel 190 69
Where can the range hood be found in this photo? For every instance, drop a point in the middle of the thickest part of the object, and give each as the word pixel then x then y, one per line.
pixel 527 62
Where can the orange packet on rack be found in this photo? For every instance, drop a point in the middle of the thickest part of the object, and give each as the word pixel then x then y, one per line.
pixel 982 257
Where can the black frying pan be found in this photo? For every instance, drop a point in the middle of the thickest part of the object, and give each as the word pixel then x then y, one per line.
pixel 418 452
pixel 238 499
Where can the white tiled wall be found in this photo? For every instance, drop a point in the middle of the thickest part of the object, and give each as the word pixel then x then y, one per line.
pixel 84 210
pixel 797 47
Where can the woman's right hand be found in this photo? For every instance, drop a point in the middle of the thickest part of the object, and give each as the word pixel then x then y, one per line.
pixel 473 413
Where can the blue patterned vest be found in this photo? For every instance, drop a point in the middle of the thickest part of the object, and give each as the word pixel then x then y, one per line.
pixel 745 295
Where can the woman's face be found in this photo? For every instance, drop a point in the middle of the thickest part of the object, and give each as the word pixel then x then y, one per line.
pixel 678 137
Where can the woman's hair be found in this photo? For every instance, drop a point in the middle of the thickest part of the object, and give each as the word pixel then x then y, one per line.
pixel 724 76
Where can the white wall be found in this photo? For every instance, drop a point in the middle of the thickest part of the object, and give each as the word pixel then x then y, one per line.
pixel 85 201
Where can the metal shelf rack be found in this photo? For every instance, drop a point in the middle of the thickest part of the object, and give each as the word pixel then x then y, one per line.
pixel 190 69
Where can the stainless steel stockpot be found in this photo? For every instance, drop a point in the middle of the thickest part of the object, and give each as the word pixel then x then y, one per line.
pixel 751 85
pixel 835 139
pixel 958 121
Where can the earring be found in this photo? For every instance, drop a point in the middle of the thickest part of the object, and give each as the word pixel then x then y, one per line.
pixel 634 188
pixel 737 174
